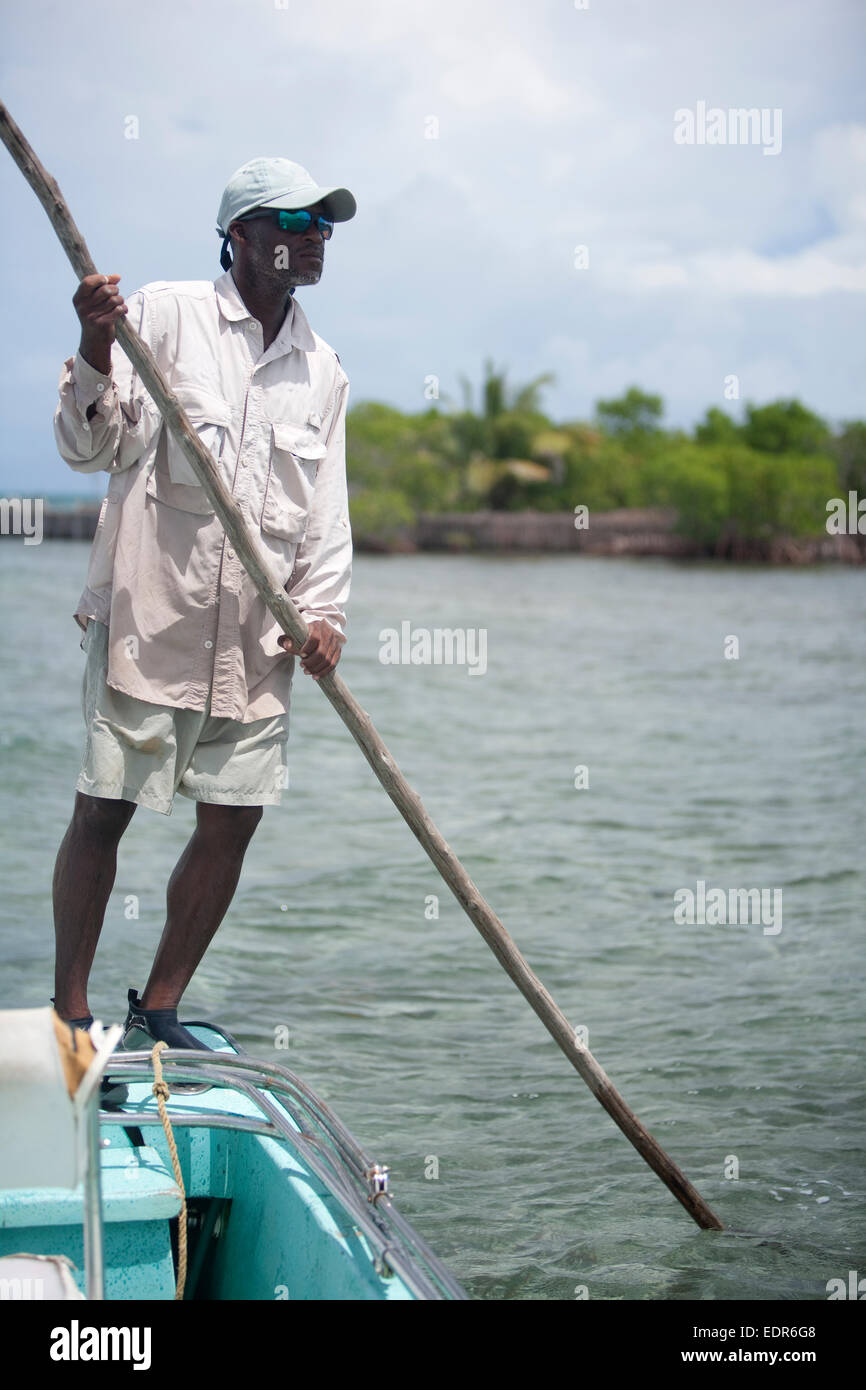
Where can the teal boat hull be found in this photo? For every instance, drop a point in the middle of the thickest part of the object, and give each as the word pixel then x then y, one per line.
pixel 263 1224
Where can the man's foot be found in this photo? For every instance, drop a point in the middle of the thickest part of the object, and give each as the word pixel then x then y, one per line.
pixel 144 1027
pixel 111 1093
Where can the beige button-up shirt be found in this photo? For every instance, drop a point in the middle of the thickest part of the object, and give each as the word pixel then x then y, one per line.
pixel 184 618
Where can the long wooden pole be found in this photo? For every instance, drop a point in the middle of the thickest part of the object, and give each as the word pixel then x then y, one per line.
pixel 357 720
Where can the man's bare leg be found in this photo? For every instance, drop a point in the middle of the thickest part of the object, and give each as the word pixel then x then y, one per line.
pixel 83 879
pixel 199 893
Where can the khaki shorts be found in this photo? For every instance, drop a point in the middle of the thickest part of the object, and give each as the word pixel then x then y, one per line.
pixel 136 751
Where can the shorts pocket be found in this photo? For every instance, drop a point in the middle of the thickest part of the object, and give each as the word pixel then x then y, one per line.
pixel 295 457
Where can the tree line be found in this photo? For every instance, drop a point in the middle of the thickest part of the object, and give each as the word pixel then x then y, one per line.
pixel 770 473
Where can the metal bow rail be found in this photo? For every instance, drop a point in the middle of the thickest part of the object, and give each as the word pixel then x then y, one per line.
pixel 291 1112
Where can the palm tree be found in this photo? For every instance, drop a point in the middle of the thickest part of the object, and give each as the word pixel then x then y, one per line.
pixel 495 442
pixel 496 398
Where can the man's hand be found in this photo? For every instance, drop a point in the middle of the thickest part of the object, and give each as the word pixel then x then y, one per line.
pixel 321 651
pixel 98 305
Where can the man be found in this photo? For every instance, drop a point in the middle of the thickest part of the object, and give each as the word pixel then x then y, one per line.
pixel 188 676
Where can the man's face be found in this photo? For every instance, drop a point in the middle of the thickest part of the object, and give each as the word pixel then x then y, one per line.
pixel 283 259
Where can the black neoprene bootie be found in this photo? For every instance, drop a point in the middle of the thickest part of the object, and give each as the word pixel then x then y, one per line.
pixel 144 1027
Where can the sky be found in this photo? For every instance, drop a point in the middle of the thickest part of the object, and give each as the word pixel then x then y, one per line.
pixel 537 184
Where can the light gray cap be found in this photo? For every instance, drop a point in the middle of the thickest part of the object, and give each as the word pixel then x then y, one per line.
pixel 279 183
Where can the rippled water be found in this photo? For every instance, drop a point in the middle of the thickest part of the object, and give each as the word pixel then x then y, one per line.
pixel 736 1047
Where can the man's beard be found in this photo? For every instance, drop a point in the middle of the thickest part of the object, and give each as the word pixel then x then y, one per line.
pixel 265 274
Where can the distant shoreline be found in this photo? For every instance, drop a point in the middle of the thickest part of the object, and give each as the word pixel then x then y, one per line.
pixel 628 531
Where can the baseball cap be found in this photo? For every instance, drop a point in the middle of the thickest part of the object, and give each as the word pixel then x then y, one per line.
pixel 279 183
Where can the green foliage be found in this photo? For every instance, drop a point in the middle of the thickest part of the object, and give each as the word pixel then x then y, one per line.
pixel 717 428
pixel 634 414
pixel 805 486
pixel 379 516
pixel 603 476
pixel 777 494
pixel 731 490
pixel 772 474
pixel 512 433
pixel 692 479
pixel 415 456
pixel 785 427
pixel 849 451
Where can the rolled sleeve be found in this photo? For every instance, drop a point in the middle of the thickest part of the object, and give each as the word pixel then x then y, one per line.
pixel 322 573
pixel 89 385
pixel 119 430
pixel 88 446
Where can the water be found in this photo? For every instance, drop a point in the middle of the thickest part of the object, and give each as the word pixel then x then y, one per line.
pixel 735 1046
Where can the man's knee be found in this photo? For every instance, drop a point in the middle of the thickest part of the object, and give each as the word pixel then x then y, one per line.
pixel 234 823
pixel 103 816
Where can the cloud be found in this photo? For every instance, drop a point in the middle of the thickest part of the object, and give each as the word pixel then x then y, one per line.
pixel 744 273
pixel 555 130
pixel 832 265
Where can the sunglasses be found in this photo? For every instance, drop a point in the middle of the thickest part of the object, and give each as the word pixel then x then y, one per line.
pixel 290 221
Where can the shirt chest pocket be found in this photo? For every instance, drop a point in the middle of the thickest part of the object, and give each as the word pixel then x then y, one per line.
pixel 173 479
pixel 295 457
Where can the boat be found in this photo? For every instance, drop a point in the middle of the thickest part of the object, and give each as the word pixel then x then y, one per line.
pixel 248 1187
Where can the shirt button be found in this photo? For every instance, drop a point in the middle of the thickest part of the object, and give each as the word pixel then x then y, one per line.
pixel 208 644
pixel 100 386
pixel 231 554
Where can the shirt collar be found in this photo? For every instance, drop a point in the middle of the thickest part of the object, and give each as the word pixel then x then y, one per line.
pixel 295 328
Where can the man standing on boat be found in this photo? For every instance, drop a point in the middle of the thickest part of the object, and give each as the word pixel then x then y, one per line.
pixel 188 677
